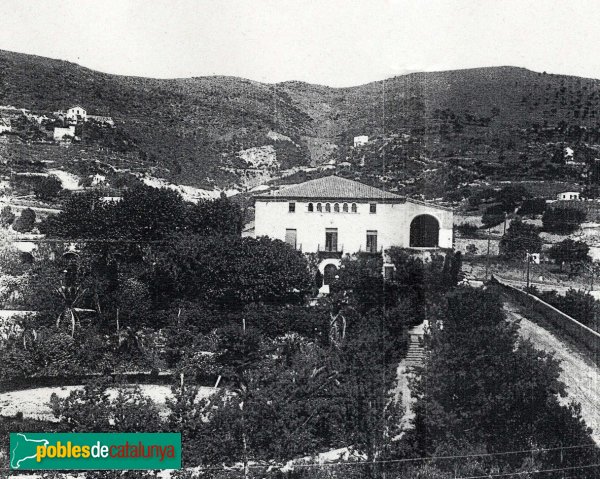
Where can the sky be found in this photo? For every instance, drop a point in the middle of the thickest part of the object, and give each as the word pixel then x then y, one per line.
pixel 329 42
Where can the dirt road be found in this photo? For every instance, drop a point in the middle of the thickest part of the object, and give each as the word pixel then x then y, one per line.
pixel 580 375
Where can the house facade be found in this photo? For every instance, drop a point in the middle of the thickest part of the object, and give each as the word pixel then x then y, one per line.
pixel 568 195
pixel 334 216
pixel 76 113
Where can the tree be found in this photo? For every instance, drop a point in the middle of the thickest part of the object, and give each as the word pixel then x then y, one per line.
pixel 520 238
pixel 7 217
pixel 570 252
pixel 493 216
pixel 147 213
pixel 562 220
pixel 511 196
pixel 481 386
pixel 230 271
pixel 533 206
pixel 221 216
pixel 83 216
pixel 144 213
pixel 47 188
pixel 25 222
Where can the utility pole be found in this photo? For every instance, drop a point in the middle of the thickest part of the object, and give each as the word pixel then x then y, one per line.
pixel 528 259
pixel 487 256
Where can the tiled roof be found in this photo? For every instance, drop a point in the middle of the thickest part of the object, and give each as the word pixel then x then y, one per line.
pixel 333 187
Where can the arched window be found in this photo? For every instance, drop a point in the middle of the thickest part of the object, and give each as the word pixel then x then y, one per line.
pixel 345 207
pixel 353 207
pixel 319 207
pixel 336 207
pixel 310 207
pixel 327 208
pixel 424 232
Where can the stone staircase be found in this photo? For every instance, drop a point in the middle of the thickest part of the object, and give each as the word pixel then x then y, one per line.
pixel 415 354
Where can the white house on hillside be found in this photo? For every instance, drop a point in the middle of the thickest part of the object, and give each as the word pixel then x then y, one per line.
pixel 568 195
pixel 361 140
pixel 76 113
pixel 333 216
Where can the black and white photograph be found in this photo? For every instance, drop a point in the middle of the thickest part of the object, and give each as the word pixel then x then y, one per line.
pixel 299 239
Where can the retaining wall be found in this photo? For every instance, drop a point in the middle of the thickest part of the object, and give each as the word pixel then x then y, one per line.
pixel 564 324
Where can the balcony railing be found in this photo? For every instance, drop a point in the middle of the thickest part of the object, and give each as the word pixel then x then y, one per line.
pixel 328 253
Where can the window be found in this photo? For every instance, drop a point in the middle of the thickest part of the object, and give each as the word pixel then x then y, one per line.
pixel 319 207
pixel 353 207
pixel 336 207
pixel 372 241
pixel 290 237
pixel 310 207
pixel 373 208
pixel 327 208
pixel 345 207
pixel 292 207
pixel 331 239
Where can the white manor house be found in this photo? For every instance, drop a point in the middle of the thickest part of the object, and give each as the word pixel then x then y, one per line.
pixel 334 216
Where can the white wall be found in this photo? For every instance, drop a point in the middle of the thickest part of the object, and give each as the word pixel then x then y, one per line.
pixel 60 133
pixel 392 223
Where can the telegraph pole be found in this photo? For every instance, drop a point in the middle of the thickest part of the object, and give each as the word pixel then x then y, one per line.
pixel 528 259
pixel 487 256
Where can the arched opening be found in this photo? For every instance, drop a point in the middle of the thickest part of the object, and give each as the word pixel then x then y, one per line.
pixel 353 207
pixel 424 232
pixel 319 208
pixel 329 273
pixel 310 207
pixel 336 208
pixel 345 207
pixel 327 208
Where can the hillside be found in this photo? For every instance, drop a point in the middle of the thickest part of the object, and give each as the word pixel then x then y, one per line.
pixel 496 123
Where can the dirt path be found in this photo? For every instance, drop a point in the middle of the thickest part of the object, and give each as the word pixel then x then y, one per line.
pixel 580 375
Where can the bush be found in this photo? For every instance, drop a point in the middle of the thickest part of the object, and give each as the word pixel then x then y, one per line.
pixel 533 206
pixel 25 222
pixel 492 216
pixel 7 217
pixel 563 220
pixel 47 188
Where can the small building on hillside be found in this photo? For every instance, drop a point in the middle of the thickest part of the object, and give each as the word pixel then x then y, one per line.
pixel 5 126
pixel 568 195
pixel 334 216
pixel 62 134
pixel 76 113
pixel 361 140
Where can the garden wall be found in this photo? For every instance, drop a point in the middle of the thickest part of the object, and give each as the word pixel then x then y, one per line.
pixel 562 323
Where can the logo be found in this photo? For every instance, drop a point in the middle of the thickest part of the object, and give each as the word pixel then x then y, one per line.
pixel 95 451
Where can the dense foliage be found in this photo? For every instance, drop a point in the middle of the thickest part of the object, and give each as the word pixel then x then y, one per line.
pixel 143 214
pixel 563 220
pixel 570 252
pixel 520 238
pixel 484 390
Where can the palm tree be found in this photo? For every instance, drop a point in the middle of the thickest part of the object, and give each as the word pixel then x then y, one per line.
pixel 71 295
